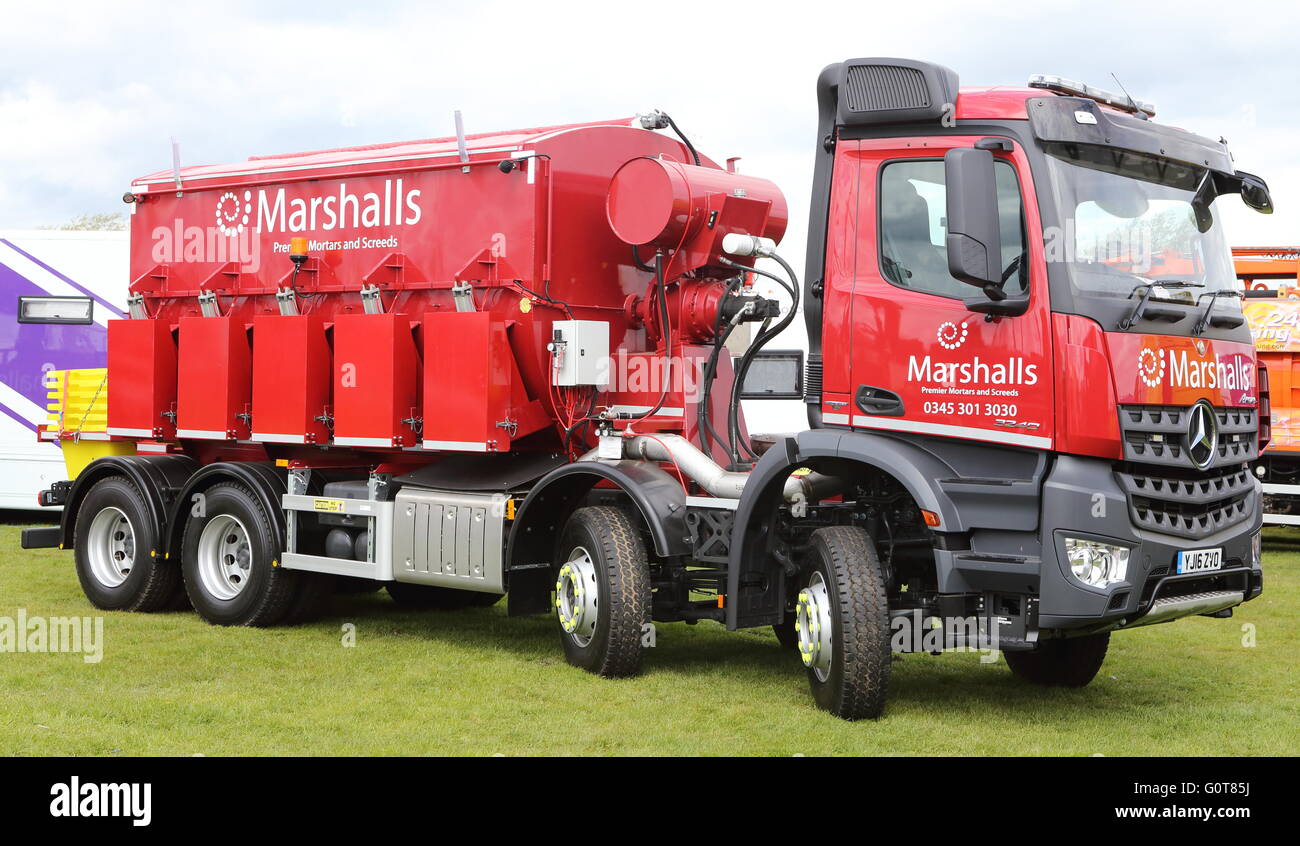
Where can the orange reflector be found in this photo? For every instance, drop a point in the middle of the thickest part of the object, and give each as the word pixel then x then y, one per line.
pixel 931 519
pixel 722 601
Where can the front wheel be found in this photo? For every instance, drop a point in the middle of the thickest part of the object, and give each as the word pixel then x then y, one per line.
pixel 602 592
pixel 842 623
pixel 1068 662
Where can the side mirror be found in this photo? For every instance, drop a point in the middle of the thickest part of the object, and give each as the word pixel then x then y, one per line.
pixel 974 240
pixel 1254 193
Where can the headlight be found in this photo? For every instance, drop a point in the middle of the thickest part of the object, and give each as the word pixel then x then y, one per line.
pixel 1257 549
pixel 1096 564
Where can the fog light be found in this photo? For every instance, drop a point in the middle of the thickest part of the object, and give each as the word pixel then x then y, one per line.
pixel 1096 564
pixel 1257 549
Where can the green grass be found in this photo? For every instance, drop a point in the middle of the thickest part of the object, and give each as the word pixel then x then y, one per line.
pixel 477 683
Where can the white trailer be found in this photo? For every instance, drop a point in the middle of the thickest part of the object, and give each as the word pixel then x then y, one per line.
pixel 35 263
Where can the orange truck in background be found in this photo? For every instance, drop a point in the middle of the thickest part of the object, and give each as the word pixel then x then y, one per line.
pixel 1275 323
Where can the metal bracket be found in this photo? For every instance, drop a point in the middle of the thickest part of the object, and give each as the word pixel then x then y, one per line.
pixel 371 301
pixel 298 479
pixel 208 304
pixel 377 485
pixel 135 307
pixel 287 300
pixel 463 295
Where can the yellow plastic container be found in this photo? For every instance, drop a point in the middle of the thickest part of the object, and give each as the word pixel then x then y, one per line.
pixel 78 412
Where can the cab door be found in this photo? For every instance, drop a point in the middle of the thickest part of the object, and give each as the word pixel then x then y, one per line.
pixel 921 362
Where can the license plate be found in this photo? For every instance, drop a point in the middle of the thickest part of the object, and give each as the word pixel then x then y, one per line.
pixel 1199 560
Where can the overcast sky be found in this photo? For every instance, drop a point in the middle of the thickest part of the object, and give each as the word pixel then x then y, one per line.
pixel 90 93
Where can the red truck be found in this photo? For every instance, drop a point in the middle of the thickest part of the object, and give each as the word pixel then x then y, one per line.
pixel 493 365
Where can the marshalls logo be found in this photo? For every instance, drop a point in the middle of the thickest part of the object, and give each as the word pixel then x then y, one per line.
pixel 232 215
pixel 952 335
pixel 1151 367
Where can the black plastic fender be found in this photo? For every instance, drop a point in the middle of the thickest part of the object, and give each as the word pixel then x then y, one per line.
pixel 263 479
pixel 755 592
pixel 157 477
pixel 657 495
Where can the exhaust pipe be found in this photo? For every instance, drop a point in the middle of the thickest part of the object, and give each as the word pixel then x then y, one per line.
pixel 724 484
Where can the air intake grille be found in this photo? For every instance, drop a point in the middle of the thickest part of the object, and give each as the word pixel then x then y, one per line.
pixel 812 381
pixel 874 88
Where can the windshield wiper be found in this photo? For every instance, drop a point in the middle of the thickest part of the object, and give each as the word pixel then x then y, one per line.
pixel 1204 320
pixel 1146 288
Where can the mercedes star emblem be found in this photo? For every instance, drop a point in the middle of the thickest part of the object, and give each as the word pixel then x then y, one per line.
pixel 1202 435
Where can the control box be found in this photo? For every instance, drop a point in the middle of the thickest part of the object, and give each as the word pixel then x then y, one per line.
pixel 580 352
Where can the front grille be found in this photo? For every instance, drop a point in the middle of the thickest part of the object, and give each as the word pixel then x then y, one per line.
pixel 1191 507
pixel 871 88
pixel 1157 434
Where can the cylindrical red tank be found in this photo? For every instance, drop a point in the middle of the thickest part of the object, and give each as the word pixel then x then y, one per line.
pixel 662 203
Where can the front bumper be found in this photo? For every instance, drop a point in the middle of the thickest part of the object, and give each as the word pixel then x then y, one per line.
pixel 1084 498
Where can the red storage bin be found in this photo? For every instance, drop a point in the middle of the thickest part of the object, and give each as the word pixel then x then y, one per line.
pixel 142 392
pixel 376 380
pixel 468 372
pixel 291 379
pixel 215 379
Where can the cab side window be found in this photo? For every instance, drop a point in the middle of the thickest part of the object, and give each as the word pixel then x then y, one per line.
pixel 913 251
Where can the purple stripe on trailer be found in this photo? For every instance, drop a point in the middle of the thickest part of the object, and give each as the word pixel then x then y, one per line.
pixel 89 293
pixel 29 350
pixel 18 418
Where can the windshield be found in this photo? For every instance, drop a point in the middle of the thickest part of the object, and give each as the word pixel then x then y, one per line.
pixel 1129 220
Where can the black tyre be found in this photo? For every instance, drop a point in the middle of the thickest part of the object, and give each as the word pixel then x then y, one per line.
pixel 602 597
pixel 842 621
pixel 1067 662
pixel 432 598
pixel 230 561
pixel 117 554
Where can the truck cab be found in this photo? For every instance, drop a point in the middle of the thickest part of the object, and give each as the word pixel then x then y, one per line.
pixel 1027 291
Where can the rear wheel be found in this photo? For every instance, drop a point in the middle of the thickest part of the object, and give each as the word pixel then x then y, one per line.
pixel 230 561
pixel 602 592
pixel 842 623
pixel 115 549
pixel 1067 662
pixel 432 598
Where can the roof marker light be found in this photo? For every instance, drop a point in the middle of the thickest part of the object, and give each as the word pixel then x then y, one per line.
pixel 1061 85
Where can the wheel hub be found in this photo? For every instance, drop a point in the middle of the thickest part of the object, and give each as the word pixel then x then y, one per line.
pixel 812 623
pixel 577 596
pixel 225 557
pixel 111 547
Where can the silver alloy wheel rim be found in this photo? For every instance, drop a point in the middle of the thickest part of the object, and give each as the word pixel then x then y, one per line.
pixel 813 625
pixel 110 547
pixel 225 557
pixel 577 596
